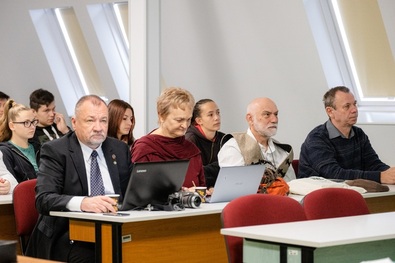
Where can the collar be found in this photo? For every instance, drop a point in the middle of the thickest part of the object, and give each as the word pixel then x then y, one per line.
pixel 200 129
pixel 270 143
pixel 334 132
pixel 86 151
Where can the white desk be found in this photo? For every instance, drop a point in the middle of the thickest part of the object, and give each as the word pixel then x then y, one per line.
pixel 344 239
pixel 191 235
pixel 5 199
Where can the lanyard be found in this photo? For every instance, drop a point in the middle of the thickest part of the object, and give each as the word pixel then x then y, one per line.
pixel 49 136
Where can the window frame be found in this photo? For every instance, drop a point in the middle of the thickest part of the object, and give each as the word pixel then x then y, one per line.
pixel 336 66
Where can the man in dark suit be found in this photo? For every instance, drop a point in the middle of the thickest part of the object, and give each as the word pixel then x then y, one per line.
pixel 63 181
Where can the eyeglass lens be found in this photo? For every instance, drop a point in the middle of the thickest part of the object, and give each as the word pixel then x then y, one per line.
pixel 27 124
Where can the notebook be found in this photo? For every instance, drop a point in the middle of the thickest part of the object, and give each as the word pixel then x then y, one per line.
pixel 236 181
pixel 151 183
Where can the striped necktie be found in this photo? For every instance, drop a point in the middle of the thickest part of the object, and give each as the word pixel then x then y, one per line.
pixel 97 187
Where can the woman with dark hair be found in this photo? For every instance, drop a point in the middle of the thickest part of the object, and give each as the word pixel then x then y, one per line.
pixel 204 133
pixel 121 121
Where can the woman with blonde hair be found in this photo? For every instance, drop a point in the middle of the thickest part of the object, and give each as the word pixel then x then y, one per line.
pixel 18 125
pixel 167 142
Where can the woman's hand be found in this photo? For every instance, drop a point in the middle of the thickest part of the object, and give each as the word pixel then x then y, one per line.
pixel 5 186
pixel 210 191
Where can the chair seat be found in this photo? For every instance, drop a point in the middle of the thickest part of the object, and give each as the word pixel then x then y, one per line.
pixel 257 209
pixel 25 211
pixel 334 202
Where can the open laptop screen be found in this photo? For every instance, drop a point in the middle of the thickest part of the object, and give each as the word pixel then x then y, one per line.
pixel 153 182
pixel 236 181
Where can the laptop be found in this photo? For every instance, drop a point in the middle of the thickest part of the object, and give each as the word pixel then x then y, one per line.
pixel 151 183
pixel 236 181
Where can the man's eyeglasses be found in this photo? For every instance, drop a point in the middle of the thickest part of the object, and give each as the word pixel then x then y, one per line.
pixel 27 124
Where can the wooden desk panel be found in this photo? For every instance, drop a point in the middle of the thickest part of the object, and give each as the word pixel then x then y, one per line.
pixel 7 225
pixel 192 239
pixel 381 204
pixel 23 259
pixel 82 230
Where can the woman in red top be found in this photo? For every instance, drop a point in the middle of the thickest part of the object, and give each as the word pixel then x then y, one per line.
pixel 167 142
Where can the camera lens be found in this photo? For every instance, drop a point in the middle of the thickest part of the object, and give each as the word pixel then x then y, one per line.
pixel 191 200
pixel 196 201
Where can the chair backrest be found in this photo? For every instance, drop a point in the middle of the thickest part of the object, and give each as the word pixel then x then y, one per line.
pixel 334 202
pixel 295 165
pixel 257 209
pixel 25 211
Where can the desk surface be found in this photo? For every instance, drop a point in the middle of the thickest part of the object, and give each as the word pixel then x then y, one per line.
pixel 137 216
pixel 5 199
pixel 323 232
pixel 365 195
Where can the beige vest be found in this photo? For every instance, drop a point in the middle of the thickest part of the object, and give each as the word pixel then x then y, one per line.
pixel 252 152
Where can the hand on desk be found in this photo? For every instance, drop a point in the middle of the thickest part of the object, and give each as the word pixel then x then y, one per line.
pixel 5 186
pixel 388 176
pixel 193 188
pixel 98 204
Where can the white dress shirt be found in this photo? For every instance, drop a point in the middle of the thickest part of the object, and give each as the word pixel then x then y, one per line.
pixel 75 203
pixel 230 155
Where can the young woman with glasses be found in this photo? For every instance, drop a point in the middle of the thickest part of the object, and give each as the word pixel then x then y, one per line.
pixel 17 126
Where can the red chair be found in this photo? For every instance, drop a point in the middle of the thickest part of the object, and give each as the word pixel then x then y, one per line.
pixel 26 215
pixel 257 209
pixel 295 165
pixel 334 202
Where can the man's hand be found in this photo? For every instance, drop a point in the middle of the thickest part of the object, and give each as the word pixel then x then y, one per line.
pixel 61 123
pixel 388 176
pixel 98 204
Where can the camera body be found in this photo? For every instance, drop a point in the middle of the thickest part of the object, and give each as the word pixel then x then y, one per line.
pixel 182 199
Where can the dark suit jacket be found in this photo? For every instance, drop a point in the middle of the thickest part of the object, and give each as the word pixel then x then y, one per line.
pixel 61 176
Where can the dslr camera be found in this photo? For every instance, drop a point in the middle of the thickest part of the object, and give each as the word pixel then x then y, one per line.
pixel 182 199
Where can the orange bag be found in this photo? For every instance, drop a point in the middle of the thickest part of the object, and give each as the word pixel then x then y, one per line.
pixel 273 184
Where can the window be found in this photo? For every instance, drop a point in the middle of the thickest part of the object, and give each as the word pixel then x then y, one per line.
pixel 367 48
pixel 79 51
pixel 357 50
pixel 110 22
pixel 99 66
pixel 122 13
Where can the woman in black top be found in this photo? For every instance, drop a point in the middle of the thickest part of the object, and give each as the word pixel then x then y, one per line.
pixel 204 133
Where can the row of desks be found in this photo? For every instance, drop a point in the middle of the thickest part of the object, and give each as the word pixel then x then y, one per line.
pixel 192 235
pixel 156 236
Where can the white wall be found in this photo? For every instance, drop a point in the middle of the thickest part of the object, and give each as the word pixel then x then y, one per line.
pixel 229 50
pixel 233 51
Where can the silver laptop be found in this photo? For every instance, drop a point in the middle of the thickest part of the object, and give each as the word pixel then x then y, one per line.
pixel 236 181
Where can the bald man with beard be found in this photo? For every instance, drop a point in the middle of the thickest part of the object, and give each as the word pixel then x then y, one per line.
pixel 257 145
